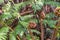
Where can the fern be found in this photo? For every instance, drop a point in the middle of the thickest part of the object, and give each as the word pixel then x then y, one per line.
pixel 11 11
pixel 3 33
pixel 53 3
pixel 12 36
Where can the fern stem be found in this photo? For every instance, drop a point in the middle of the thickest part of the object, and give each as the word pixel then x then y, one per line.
pixel 25 13
pixel 42 30
pixel 30 32
pixel 54 34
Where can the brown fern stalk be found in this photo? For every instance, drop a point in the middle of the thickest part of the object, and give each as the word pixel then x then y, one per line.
pixel 42 30
pixel 25 13
pixel 41 16
pixel 54 34
pixel 30 32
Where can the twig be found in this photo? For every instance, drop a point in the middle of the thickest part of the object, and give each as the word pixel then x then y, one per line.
pixel 18 37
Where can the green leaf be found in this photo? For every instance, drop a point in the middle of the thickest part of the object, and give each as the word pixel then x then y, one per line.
pixel 19 30
pixel 3 33
pixel 52 23
pixel 12 36
pixel 53 3
pixel 1 1
pixel 24 24
pixel 35 31
pixel 26 18
pixel 6 15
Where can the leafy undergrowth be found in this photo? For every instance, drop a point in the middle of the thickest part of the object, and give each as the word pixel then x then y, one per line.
pixel 29 20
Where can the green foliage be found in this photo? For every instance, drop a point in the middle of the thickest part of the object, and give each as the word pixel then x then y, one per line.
pixel 51 23
pixel 12 36
pixel 11 11
pixel 53 3
pixel 20 32
pixel 3 33
pixel 37 5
